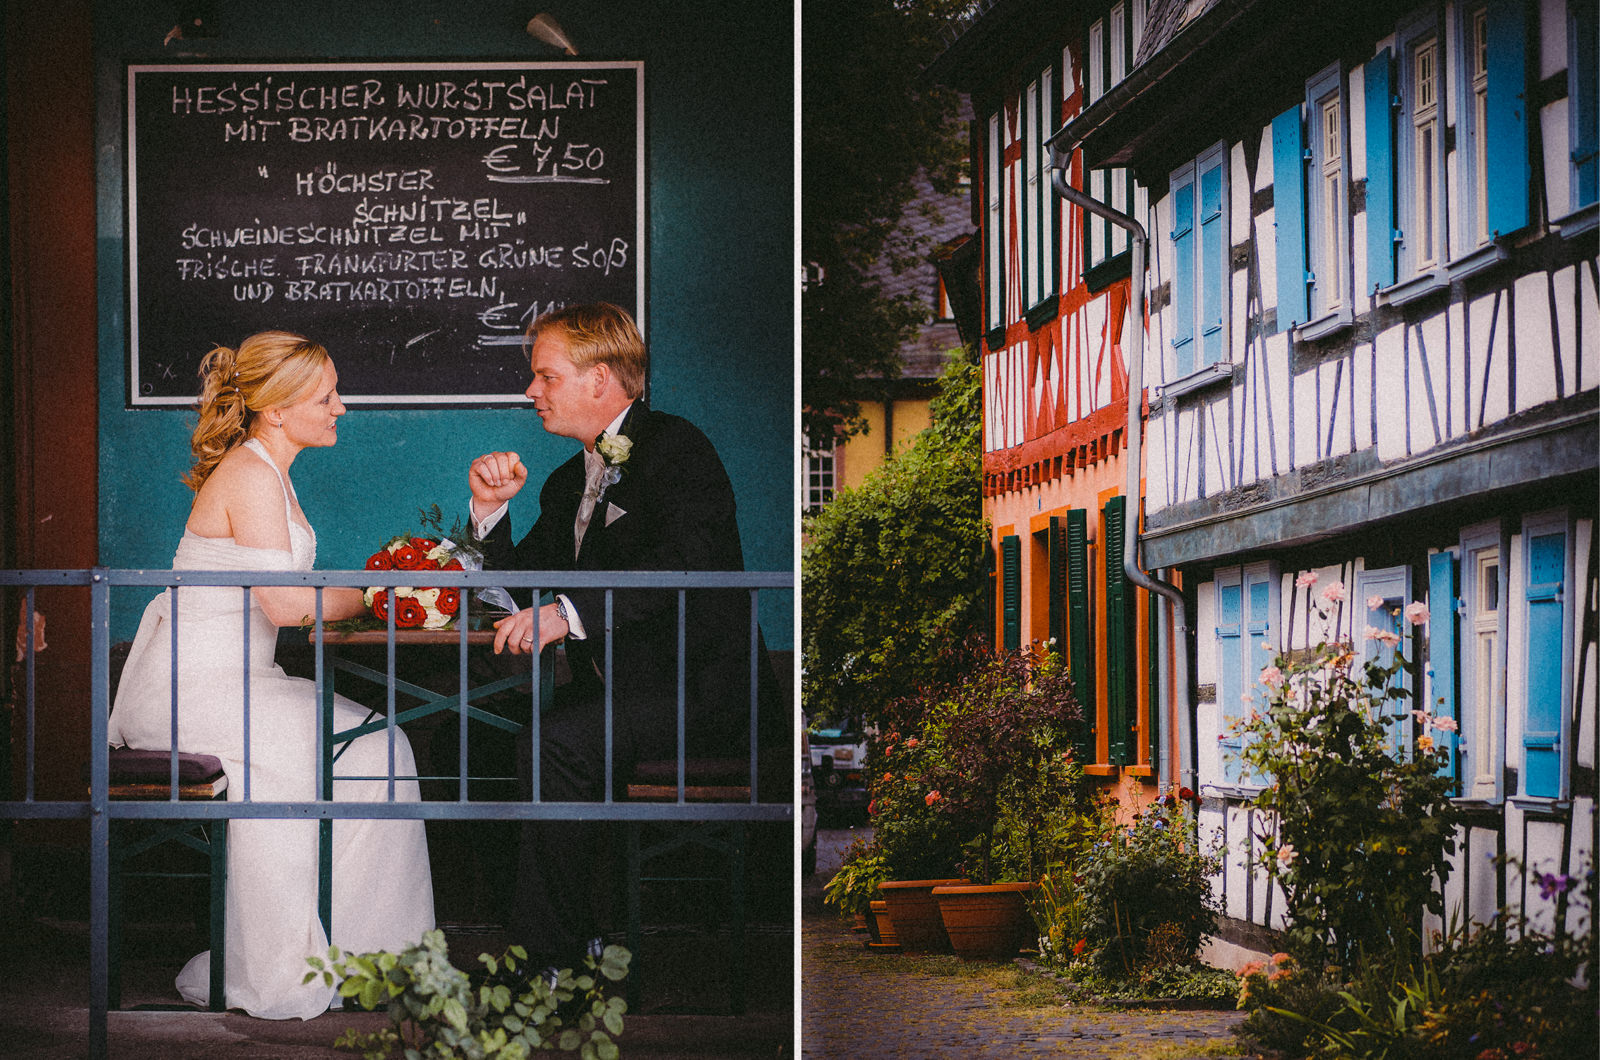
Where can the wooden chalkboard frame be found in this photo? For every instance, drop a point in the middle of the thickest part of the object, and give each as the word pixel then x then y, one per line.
pixel 455 341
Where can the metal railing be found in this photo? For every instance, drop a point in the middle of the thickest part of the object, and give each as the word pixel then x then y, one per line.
pixel 99 809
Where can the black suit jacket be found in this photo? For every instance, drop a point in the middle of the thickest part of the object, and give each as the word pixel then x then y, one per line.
pixel 673 509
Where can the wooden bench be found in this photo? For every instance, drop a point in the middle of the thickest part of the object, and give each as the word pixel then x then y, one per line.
pixel 146 775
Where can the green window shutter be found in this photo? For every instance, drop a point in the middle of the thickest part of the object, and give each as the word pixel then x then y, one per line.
pixel 1080 634
pixel 1121 683
pixel 1056 549
pixel 1011 592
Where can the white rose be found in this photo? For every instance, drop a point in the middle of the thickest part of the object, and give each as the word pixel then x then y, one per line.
pixel 436 619
pixel 428 598
pixel 615 448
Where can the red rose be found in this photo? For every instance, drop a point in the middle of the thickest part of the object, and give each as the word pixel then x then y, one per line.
pixel 449 601
pixel 424 544
pixel 407 557
pixel 454 564
pixel 408 613
pixel 380 604
pixel 380 560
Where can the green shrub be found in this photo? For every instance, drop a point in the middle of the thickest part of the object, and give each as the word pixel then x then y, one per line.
pixel 1147 892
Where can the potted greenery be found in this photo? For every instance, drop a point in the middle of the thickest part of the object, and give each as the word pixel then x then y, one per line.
pixel 919 844
pixel 994 773
pixel 1010 780
pixel 853 890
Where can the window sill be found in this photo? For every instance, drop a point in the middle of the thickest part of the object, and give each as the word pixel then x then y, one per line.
pixel 1229 791
pixel 1210 375
pixel 1480 260
pixel 1138 771
pixel 1324 326
pixel 1098 277
pixel 1101 770
pixel 1042 313
pixel 1411 290
pixel 1583 219
pixel 1540 805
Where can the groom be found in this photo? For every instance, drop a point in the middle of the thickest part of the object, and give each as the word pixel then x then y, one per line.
pixel 647 492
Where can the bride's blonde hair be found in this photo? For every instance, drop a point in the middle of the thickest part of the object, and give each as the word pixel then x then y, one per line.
pixel 269 368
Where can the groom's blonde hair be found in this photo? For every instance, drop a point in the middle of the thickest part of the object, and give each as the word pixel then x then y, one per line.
pixel 599 333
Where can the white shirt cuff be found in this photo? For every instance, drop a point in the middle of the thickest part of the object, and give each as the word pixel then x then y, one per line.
pixel 574 623
pixel 481 527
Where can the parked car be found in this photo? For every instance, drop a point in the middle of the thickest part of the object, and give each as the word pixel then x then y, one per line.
pixel 808 811
pixel 838 764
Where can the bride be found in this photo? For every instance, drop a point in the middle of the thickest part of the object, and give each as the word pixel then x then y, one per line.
pixel 259 406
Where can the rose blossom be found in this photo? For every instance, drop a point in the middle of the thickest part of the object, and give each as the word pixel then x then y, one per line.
pixel 449 600
pixel 1306 580
pixel 1333 592
pixel 1446 724
pixel 408 613
pixel 1416 612
pixel 380 560
pixel 1286 853
pixel 1424 743
pixel 1272 677
pixel 1374 602
pixel 932 797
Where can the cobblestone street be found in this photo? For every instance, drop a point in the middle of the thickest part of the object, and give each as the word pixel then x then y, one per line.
pixel 861 1004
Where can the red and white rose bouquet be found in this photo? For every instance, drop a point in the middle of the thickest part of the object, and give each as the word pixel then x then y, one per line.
pixel 417 608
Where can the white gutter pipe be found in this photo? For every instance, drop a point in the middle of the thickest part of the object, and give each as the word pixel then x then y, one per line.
pixel 1135 434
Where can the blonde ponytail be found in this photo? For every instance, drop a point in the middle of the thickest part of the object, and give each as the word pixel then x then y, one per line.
pixel 269 368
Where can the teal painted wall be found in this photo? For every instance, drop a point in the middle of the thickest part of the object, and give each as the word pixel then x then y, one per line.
pixel 719 160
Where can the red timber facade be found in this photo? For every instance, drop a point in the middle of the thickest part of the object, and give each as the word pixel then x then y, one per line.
pixel 1055 306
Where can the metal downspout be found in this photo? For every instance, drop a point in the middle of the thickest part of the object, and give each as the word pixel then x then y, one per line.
pixel 1135 436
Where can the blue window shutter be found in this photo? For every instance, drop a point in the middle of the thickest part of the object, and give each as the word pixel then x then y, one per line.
pixel 1380 171
pixel 1079 627
pixel 1289 207
pixel 1442 665
pixel 1230 664
pixel 1011 591
pixel 1183 240
pixel 1213 264
pixel 1506 117
pixel 1258 629
pixel 1541 726
pixel 1584 99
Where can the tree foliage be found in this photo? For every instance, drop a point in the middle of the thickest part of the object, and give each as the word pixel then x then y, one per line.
pixel 894 571
pixel 870 124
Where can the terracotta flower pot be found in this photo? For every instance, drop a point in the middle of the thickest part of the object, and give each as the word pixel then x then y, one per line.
pixel 986 922
pixel 916 914
pixel 883 933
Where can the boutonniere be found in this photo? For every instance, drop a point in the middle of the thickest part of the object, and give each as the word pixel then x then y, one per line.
pixel 614 450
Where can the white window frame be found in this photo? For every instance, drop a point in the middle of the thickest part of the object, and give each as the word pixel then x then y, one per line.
pixel 1481 702
pixel 1095 83
pixel 1472 140
pixel 821 476
pixel 1420 171
pixel 1328 196
pixel 994 223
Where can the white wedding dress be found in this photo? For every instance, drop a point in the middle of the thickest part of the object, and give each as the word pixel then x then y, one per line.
pixel 382 887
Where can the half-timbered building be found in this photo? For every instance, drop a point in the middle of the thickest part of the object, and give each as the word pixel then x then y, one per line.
pixel 1054 311
pixel 1372 354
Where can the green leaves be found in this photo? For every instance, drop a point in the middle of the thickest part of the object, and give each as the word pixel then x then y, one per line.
pixel 436 1012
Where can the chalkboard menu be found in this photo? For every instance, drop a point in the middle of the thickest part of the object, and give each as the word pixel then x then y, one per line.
pixel 411 217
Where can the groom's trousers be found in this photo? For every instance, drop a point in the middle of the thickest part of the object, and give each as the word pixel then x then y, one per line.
pixel 561 887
